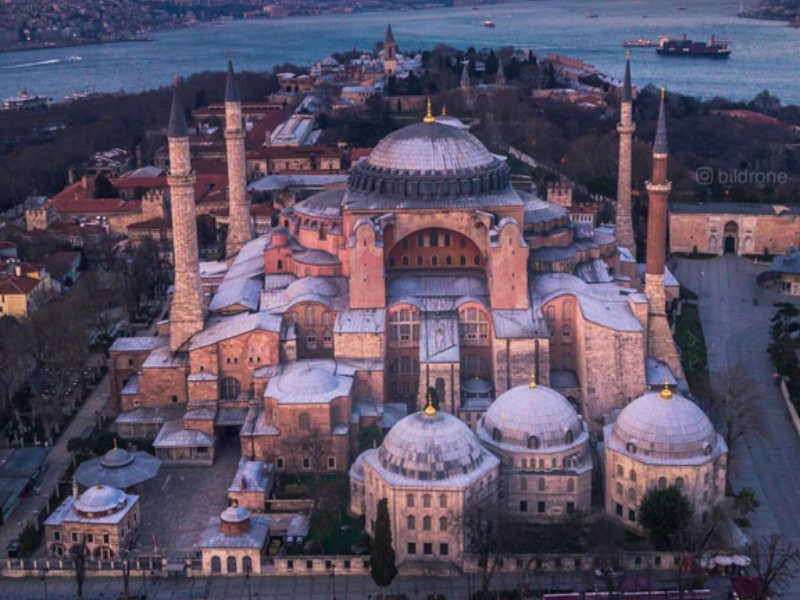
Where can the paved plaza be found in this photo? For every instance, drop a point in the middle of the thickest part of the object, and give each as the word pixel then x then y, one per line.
pixel 737 332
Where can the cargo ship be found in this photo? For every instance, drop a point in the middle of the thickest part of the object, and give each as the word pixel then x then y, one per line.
pixel 668 46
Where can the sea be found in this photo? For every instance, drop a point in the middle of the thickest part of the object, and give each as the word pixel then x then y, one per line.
pixel 765 53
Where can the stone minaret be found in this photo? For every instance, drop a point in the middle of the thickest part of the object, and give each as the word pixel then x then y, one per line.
pixel 389 53
pixel 239 230
pixel 626 127
pixel 186 312
pixel 660 344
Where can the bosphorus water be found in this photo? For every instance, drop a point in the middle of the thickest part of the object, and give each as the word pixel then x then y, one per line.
pixel 765 53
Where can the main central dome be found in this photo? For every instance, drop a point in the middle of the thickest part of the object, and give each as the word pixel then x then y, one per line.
pixel 429 161
pixel 431 147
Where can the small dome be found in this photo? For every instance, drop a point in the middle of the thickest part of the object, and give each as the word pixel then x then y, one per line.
pixel 116 457
pixel 235 514
pixel 665 426
pixel 431 447
pixel 476 386
pixel 527 412
pixel 100 499
pixel 309 380
pixel 322 286
pixel 324 205
pixel 430 147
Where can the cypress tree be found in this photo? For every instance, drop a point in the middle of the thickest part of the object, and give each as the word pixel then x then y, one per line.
pixel 381 561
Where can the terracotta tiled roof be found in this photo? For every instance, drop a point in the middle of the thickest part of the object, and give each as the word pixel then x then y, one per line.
pixel 60 263
pixel 156 223
pixel 6 245
pixel 11 285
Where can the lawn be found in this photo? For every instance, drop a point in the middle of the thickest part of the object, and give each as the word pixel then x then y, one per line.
pixel 689 338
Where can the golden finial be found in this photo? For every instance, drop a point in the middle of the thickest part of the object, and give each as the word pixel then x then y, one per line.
pixel 429 118
pixel 115 444
pixel 627 54
pixel 532 382
pixel 666 393
pixel 444 110
pixel 663 91
pixel 430 410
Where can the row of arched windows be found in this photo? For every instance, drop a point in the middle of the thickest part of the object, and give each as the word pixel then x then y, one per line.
pixel 427 501
pixel 427 523
pixel 432 261
pixel 542 484
pixel 231 564
pixel 533 441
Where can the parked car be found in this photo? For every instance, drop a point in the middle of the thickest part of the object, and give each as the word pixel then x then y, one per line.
pixel 608 572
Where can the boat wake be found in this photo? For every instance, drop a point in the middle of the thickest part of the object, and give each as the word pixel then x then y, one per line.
pixel 42 63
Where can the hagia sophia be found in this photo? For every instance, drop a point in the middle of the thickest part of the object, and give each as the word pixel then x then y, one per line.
pixel 509 355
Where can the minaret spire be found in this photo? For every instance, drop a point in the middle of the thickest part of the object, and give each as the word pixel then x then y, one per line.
pixel 239 229
pixel 389 53
pixel 186 310
pixel 660 344
pixel 623 227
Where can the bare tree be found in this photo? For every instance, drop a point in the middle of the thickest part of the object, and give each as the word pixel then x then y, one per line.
pixel 15 361
pixel 733 408
pixel 485 533
pixel 775 560
pixel 78 552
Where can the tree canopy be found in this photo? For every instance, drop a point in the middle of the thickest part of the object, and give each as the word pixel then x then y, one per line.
pixel 665 514
pixel 382 559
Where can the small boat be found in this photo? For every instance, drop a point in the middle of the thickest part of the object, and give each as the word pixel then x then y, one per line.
pixel 592 16
pixel 488 23
pixel 72 58
pixel 638 43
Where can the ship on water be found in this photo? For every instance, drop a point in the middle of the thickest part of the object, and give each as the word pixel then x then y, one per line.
pixel 638 43
pixel 668 46
pixel 488 23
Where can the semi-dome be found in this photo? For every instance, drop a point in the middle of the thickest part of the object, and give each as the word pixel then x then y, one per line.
pixel 665 426
pixel 430 160
pixel 100 499
pixel 431 447
pixel 532 417
pixel 311 380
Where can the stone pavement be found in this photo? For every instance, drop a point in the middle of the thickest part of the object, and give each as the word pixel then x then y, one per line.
pixel 58 461
pixel 737 331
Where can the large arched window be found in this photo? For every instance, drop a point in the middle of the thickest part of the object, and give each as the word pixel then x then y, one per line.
pixel 247 564
pixel 404 327
pixel 442 523
pixel 229 388
pixel 569 437
pixel 679 483
pixel 473 365
pixel 443 501
pixel 231 564
pixel 662 483
pixel 533 442
pixel 497 435
pixel 523 484
pixel 542 484
pixel 426 523
pixel 566 310
pixel 570 485
pixel 216 564
pixel 304 421
pixel 426 501
pixel 410 500
pixel 411 522
pixel 473 327
pixel 632 475
pixel 405 365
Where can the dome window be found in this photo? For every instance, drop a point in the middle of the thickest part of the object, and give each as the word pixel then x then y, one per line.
pixel 630 447
pixel 533 442
pixel 679 483
pixel 497 435
pixel 707 449
pixel 662 483
pixel 569 437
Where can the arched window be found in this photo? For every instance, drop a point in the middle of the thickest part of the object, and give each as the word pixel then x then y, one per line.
pixel 630 447
pixel 550 313
pixel 304 421
pixel 216 564
pixel 566 333
pixel 533 442
pixel 410 500
pixel 426 523
pixel 631 494
pixel 620 471
pixel 706 478
pixel 570 485
pixel 473 327
pixel 662 483
pixel 411 522
pixel 231 564
pixel 554 463
pixel 542 484
pixel 247 564
pixel 632 475
pixel 462 260
pixel 619 488
pixel 405 261
pixel 523 463
pixel 497 435
pixel 311 340
pixel 229 388
pixel 420 261
pixel 404 327
pixel 705 496
pixel 435 261
pixel 327 339
pixel 311 315
pixel 569 436
pixel 541 463
pixel 566 310
pixel 523 484
pixel 426 501
pixel 442 523
pixel 280 265
pixel 443 501
pixel 679 483
pixel 477 260
pixel 448 260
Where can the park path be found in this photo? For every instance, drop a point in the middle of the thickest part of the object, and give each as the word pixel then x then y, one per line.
pixel 737 331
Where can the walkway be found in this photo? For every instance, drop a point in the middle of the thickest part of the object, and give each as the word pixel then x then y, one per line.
pixel 737 331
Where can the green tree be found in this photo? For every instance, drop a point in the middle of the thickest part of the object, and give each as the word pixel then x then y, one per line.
pixel 382 565
pixel 29 540
pixel 370 436
pixel 745 501
pixel 103 188
pixel 665 514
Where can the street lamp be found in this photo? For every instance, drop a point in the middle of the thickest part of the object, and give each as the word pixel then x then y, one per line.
pixel 247 579
pixel 126 572
pixel 44 580
pixel 333 579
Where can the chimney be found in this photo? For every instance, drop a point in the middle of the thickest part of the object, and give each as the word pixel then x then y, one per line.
pixel 85 182
pixel 74 489
pixel 244 482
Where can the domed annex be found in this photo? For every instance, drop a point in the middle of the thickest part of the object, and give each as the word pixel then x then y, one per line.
pixel 543 445
pixel 100 500
pixel 432 468
pixel 118 468
pixel 663 439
